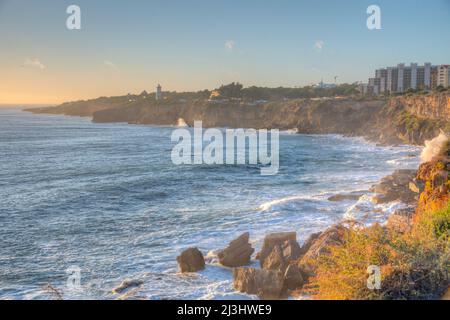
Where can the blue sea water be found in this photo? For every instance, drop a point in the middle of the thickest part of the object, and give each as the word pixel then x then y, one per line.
pixel 107 199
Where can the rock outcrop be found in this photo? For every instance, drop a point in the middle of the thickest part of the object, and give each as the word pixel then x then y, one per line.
pixel 317 245
pixel 401 220
pixel 433 106
pixel 238 252
pixel 435 175
pixel 293 277
pixel 191 260
pixel 397 187
pixel 286 241
pixel 127 284
pixel 346 196
pixel 267 284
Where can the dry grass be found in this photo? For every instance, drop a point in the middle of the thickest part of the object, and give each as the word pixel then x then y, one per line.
pixel 414 265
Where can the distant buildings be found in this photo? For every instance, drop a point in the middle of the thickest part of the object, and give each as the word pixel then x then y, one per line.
pixel 403 78
pixel 443 75
pixel 158 95
pixel 322 85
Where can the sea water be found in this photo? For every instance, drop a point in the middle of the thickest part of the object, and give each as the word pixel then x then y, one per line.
pixel 106 198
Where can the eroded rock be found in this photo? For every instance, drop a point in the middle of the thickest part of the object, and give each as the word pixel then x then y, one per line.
pixel 401 220
pixel 191 260
pixel 238 252
pixel 272 240
pixel 346 196
pixel 127 284
pixel 318 245
pixel 275 260
pixel 293 277
pixel 267 284
pixel 401 185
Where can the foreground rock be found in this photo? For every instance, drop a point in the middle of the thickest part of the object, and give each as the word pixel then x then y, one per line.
pixel 238 252
pixel 126 285
pixel 191 260
pixel 279 254
pixel 267 284
pixel 401 220
pixel 401 185
pixel 293 277
pixel 286 246
pixel 346 196
pixel 317 245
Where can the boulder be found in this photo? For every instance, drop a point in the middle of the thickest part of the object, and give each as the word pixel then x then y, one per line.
pixel 271 240
pixel 346 196
pixel 332 236
pixel 293 278
pixel 318 245
pixel 281 255
pixel 416 186
pixel 191 260
pixel 291 250
pixel 267 284
pixel 401 220
pixel 401 185
pixel 127 284
pixel 309 242
pixel 238 252
pixel 275 260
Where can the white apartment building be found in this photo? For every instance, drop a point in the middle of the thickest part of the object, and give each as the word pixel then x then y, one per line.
pixel 443 77
pixel 405 77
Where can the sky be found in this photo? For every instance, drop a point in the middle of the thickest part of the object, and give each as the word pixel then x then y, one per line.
pixel 190 45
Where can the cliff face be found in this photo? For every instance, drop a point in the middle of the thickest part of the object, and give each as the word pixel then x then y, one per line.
pixel 406 119
pixel 343 116
pixel 414 119
pixel 436 106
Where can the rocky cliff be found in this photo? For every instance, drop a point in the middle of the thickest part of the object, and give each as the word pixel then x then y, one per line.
pixel 411 253
pixel 405 119
pixel 435 106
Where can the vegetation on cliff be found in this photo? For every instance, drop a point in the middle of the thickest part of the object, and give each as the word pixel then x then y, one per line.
pixel 414 264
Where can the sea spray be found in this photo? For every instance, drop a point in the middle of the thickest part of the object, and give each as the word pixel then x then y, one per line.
pixel 181 123
pixel 433 147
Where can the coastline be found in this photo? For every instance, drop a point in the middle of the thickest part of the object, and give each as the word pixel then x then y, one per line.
pixel 350 135
pixel 409 119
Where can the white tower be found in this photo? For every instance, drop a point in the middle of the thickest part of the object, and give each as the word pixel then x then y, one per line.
pixel 158 95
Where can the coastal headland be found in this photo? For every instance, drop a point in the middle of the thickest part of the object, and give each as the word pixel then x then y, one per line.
pixel 406 119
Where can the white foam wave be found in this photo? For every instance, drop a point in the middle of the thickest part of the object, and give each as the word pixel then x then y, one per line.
pixel 433 147
pixel 366 211
pixel 268 205
pixel 289 132
pixel 182 123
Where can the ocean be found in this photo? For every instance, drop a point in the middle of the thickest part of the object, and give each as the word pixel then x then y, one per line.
pixel 107 200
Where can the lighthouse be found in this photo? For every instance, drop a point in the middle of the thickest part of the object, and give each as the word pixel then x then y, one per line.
pixel 158 95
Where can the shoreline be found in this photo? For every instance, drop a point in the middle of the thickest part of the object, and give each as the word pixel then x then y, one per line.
pixel 361 137
pixel 407 119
